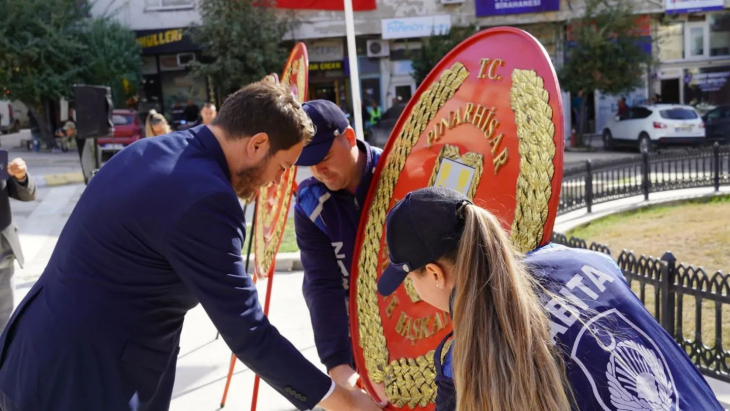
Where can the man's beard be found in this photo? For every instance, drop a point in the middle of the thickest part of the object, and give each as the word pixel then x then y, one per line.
pixel 247 181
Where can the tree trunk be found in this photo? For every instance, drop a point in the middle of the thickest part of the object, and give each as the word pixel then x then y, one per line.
pixel 46 134
pixel 581 121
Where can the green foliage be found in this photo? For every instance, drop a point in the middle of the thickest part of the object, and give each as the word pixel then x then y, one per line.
pixel 47 46
pixel 111 58
pixel 607 54
pixel 39 43
pixel 241 42
pixel 434 48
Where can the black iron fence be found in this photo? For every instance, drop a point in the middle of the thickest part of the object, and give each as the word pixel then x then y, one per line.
pixel 597 182
pixel 691 305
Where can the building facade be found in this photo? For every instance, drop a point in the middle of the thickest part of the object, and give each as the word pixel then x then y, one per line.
pixel 690 40
pixel 166 50
pixel 694 54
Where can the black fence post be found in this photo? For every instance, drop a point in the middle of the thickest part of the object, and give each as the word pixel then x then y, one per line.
pixel 716 161
pixel 669 271
pixel 589 185
pixel 645 183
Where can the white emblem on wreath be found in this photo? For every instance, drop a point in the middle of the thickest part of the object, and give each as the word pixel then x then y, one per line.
pixel 637 380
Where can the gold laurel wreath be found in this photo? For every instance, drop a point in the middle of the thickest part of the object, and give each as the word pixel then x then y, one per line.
pixel 535 130
pixel 265 253
pixel 410 381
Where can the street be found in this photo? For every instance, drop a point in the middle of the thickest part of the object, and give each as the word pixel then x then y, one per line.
pixel 599 154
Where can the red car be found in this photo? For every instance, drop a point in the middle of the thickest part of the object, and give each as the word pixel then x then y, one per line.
pixel 127 130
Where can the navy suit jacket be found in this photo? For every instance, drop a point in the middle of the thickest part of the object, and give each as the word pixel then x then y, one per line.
pixel 158 230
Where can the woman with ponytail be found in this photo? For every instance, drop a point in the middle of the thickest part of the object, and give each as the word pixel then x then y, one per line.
pixel 556 329
pixel 156 125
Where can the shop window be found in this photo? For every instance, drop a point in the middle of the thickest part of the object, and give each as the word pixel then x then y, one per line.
pixel 170 62
pixel 368 65
pixel 696 40
pixel 149 65
pixel 704 37
pixel 671 42
pixel 719 24
pixel 403 93
pixel 707 87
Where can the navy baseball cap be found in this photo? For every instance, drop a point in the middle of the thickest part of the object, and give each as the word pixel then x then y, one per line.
pixel 329 122
pixel 420 229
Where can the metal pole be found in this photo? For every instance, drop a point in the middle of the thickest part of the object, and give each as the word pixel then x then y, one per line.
pixel 589 186
pixel 716 161
pixel 354 75
pixel 669 269
pixel 267 304
pixel 645 175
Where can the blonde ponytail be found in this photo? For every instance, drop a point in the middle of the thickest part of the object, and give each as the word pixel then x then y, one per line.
pixel 504 358
pixel 154 118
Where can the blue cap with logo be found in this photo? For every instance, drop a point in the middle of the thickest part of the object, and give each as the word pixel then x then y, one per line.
pixel 420 229
pixel 329 122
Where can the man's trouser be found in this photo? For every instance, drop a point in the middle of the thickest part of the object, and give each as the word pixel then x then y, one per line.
pixel 7 287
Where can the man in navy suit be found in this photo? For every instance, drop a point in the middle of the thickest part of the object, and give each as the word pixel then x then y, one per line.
pixel 158 230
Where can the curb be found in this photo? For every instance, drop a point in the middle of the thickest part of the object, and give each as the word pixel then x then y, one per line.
pixel 573 220
pixel 581 149
pixel 61 179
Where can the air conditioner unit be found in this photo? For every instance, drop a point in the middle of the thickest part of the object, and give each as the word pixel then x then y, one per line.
pixel 378 48
pixel 451 1
pixel 183 59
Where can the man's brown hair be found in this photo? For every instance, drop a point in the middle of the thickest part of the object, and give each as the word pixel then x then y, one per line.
pixel 269 108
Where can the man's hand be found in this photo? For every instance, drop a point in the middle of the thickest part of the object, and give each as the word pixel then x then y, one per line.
pixel 344 376
pixel 380 392
pixel 348 400
pixel 18 169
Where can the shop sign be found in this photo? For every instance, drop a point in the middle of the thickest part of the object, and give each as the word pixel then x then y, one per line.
pixel 325 66
pixel 692 6
pixel 165 41
pixel 326 50
pixel 502 7
pixel 410 27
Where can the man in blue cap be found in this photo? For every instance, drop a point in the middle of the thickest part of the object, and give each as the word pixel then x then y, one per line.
pixel 326 218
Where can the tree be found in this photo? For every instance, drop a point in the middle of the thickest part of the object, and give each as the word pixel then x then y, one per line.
pixel 38 42
pixel 241 42
pixel 606 53
pixel 111 58
pixel 47 46
pixel 434 48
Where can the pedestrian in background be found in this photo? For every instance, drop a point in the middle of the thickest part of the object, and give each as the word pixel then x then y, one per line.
pixel 156 125
pixel 191 112
pixel 20 186
pixel 207 114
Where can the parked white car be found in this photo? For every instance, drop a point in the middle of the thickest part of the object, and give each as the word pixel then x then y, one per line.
pixel 20 113
pixel 9 122
pixel 6 117
pixel 648 127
